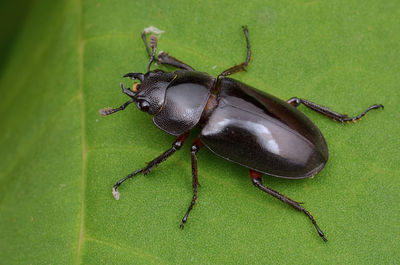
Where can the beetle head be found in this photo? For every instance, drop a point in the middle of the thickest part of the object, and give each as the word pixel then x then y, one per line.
pixel 149 94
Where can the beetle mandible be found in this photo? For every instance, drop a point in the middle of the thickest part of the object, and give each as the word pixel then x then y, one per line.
pixel 237 122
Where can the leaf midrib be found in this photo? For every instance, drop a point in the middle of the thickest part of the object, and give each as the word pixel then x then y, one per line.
pixel 80 47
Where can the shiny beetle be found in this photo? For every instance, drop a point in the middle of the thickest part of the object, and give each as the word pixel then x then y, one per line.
pixel 237 122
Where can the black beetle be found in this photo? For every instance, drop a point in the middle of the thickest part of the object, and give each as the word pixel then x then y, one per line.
pixel 237 122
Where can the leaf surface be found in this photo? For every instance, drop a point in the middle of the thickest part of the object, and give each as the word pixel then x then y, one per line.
pixel 60 158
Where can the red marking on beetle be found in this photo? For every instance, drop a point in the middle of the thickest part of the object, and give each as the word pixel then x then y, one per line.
pixel 183 137
pixel 255 174
pixel 198 143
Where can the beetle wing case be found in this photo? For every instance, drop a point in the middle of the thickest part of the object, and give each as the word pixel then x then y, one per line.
pixel 184 102
pixel 264 133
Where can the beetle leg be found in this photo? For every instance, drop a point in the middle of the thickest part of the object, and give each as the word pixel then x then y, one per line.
pixel 257 181
pixel 153 45
pixel 180 140
pixel 240 67
pixel 165 58
pixel 330 113
pixel 162 58
pixel 145 43
pixel 195 181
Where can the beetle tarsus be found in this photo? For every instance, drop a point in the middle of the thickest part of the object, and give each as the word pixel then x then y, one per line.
pixel 343 118
pixel 115 191
pixel 257 181
pixel 195 181
pixel 321 234
pixel 358 117
pixel 184 219
pixel 153 163
pixel 153 46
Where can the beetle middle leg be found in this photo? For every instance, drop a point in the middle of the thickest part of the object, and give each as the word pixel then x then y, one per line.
pixel 239 67
pixel 195 180
pixel 330 113
pixel 256 178
pixel 180 140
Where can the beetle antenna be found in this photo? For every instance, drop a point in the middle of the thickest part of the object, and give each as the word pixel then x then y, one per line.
pixel 108 111
pixel 127 91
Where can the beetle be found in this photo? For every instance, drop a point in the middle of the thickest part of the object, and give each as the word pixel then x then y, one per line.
pixel 237 122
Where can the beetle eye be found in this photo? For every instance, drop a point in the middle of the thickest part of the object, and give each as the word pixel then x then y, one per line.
pixel 144 105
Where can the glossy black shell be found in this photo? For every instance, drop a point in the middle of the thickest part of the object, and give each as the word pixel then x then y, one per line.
pixel 185 99
pixel 263 133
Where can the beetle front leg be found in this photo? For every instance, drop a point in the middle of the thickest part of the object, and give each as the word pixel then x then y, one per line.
pixel 330 113
pixel 150 165
pixel 165 58
pixel 195 180
pixel 162 58
pixel 256 177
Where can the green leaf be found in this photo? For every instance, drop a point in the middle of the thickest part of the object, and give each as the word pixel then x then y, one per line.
pixel 59 158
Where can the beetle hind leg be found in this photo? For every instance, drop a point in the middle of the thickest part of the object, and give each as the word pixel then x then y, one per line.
pixel 330 113
pixel 257 181
pixel 195 181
